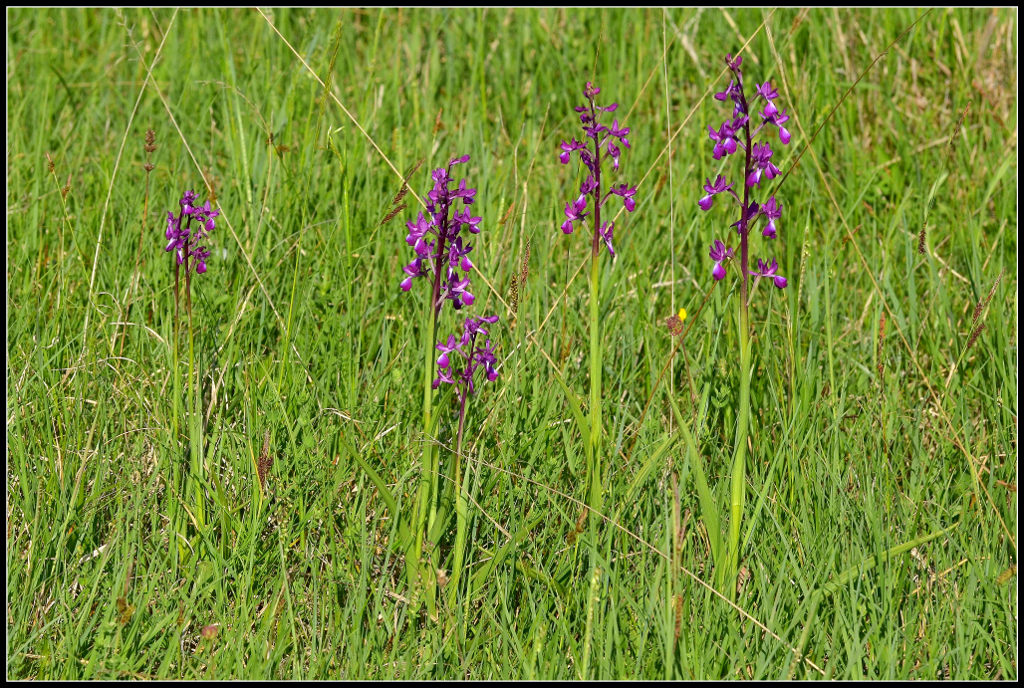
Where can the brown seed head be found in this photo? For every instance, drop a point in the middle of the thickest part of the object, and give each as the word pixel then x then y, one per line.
pixel 265 461
pixel 984 304
pixel 524 270
pixel 391 215
pixel 513 295
pixel 975 335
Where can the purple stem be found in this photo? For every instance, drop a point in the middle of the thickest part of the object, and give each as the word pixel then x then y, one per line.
pixel 744 259
pixel 442 234
pixel 597 178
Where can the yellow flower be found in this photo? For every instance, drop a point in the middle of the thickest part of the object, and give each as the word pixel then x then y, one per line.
pixel 682 314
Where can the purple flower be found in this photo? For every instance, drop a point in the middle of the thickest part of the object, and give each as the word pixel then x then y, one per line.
pixel 574 210
pixel 446 348
pixel 568 148
pixel 413 269
pixel 727 93
pixel 435 238
pixel 188 199
pixel 458 256
pixel 588 185
pixel 724 138
pixel 619 133
pixel 608 142
pixel 778 119
pixel 627 193
pixel 462 356
pixel 457 289
pixel 721 185
pixel 743 224
pixel 174 234
pixel 772 212
pixel 188 241
pixel 606 233
pixel 768 270
pixel 719 253
pixel 766 91
pixel 761 158
pixel 734 93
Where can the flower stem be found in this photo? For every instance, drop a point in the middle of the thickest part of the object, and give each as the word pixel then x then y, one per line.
pixel 176 469
pixel 424 503
pixel 594 499
pixel 195 429
pixel 739 458
pixel 461 507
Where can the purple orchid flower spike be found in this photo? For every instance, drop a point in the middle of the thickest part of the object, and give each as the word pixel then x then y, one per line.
pixel 733 135
pixel 462 356
pixel 187 241
pixel 604 142
pixel 435 238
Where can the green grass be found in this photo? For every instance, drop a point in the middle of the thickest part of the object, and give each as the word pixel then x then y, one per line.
pixel 860 443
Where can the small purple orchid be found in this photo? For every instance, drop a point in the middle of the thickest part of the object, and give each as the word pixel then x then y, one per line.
pixel 187 241
pixel 721 185
pixel 768 270
pixel 435 238
pixel 442 249
pixel 607 142
pixel 771 212
pixel 461 357
pixel 761 157
pixel 737 134
pixel 470 356
pixel 719 253
pixel 574 211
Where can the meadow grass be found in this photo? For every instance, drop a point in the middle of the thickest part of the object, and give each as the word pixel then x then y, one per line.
pixel 880 417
